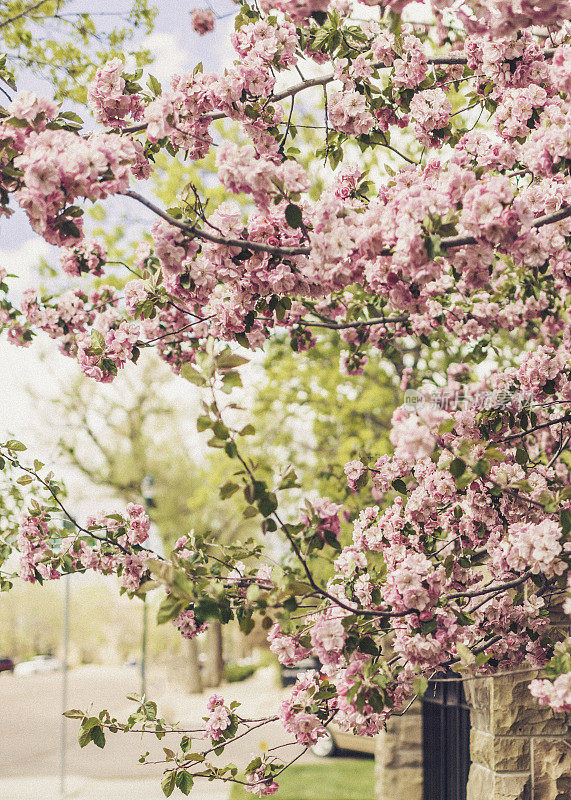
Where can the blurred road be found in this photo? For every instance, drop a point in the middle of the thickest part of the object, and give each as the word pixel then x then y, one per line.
pixel 30 726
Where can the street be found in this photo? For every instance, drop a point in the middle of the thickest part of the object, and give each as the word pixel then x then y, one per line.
pixel 31 725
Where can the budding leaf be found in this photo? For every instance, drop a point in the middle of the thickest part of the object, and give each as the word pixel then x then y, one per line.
pixel 97 341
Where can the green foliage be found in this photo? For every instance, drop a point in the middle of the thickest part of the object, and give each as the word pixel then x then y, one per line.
pixel 57 43
pixel 239 672
pixel 322 419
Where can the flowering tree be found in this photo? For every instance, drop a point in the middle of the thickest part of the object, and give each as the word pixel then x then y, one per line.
pixel 461 251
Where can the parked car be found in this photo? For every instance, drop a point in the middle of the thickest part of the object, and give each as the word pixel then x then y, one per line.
pixel 36 665
pixel 289 674
pixel 335 739
pixel 6 664
pixel 327 746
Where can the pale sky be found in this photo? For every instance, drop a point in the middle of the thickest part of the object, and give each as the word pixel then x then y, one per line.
pixel 177 49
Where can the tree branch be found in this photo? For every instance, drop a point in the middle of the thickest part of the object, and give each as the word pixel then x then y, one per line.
pixel 192 230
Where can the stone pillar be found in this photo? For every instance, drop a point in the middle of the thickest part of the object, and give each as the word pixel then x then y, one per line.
pixel 518 748
pixel 398 757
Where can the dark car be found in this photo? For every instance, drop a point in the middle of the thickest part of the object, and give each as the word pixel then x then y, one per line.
pixel 6 665
pixel 289 674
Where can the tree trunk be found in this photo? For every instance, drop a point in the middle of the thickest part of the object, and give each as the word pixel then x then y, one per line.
pixel 214 671
pixel 193 679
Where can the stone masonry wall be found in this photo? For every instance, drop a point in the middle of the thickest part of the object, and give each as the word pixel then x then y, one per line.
pixel 398 757
pixel 519 749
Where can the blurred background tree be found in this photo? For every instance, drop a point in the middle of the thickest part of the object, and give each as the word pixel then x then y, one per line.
pixel 60 42
pixel 117 436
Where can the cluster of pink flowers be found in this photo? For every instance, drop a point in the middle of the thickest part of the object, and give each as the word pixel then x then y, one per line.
pixel 287 649
pixel 349 112
pixel 59 167
pixel 297 713
pixel 275 44
pixel 36 112
pixel 240 170
pixel 259 783
pixel 536 547
pixel 139 524
pixel 118 550
pixel 88 257
pixel 101 362
pixel 187 624
pixel 180 114
pixel 353 471
pixel 108 100
pixel 328 637
pixel 557 695
pixel 172 247
pixel 414 583
pixel 219 718
pixel 514 113
pixel 33 548
pixel 202 20
pixel 322 515
pixel 431 110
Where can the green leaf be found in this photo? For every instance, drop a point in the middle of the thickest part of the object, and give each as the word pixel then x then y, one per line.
pixel 74 713
pixel 457 467
pixel 154 85
pixel 71 116
pixel 293 216
pixel 521 456
pixel 228 489
pixel 169 608
pixel 168 783
pixel 191 375
pixel 185 782
pixel 420 685
pixel 84 737
pixel 229 360
pixel 268 504
pixel 482 467
pixel 24 480
pixel 368 646
pixel 97 341
pixel 466 655
pixel 565 518
pixel 97 736
pixel 399 485
pixel 15 445
pixel 203 423
pixel 447 426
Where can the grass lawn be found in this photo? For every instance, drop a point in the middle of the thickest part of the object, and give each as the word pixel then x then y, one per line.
pixel 335 779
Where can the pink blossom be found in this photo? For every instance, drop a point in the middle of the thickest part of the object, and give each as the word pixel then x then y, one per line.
pixel 202 20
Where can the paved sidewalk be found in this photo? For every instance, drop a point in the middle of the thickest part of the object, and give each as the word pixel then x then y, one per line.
pixel 30 742
pixel 78 788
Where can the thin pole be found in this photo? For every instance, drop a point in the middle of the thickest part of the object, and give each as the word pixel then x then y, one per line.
pixel 144 649
pixel 63 735
pixel 147 493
